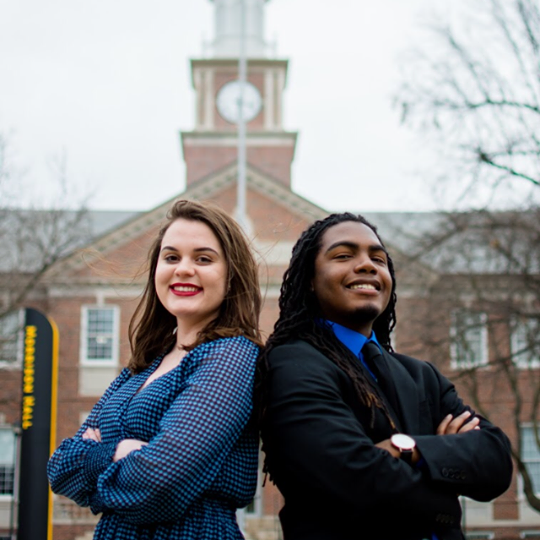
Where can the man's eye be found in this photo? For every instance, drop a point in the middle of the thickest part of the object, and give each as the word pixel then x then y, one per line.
pixel 342 256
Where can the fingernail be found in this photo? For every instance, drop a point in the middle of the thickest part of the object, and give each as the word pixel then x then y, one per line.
pixel 466 413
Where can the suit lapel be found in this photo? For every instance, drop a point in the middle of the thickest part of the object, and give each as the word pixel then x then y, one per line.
pixel 406 394
pixel 384 387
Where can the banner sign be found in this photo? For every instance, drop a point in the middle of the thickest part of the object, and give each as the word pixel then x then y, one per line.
pixel 38 423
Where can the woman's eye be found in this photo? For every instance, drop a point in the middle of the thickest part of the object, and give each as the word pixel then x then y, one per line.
pixel 171 258
pixel 204 260
pixel 342 256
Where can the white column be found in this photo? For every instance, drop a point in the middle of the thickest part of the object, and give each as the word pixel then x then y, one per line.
pixel 209 99
pixel 199 96
pixel 241 191
pixel 279 88
pixel 269 98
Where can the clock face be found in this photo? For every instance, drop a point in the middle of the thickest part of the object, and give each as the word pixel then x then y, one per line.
pixel 229 97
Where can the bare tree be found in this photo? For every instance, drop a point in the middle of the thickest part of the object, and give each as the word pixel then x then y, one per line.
pixel 474 90
pixel 474 87
pixel 480 316
pixel 32 238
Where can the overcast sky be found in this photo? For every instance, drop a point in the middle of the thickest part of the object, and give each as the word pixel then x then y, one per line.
pixel 106 83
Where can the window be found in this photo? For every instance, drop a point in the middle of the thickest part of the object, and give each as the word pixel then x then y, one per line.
pixel 530 455
pixel 11 337
pixel 531 534
pixel 99 335
pixel 525 342
pixel 468 339
pixel 7 461
pixel 254 507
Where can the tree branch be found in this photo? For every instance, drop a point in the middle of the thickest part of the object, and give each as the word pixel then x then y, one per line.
pixel 485 158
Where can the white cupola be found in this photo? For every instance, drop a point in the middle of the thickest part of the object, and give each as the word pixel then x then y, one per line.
pixel 228 28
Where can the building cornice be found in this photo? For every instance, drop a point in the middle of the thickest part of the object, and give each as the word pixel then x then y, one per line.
pixel 224 138
pixel 233 62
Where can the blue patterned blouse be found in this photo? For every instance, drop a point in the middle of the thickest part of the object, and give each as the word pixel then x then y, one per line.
pixel 201 461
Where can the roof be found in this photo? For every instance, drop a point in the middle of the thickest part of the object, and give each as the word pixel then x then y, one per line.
pixel 32 239
pixel 446 243
pixel 479 242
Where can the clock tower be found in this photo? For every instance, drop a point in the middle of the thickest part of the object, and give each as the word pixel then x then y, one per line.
pixel 212 145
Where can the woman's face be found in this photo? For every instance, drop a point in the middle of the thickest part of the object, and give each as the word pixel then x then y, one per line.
pixel 191 273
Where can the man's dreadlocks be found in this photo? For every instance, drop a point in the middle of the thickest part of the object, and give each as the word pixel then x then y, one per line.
pixel 299 316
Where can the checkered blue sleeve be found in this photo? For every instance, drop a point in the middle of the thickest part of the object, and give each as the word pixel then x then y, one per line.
pixel 158 482
pixel 74 467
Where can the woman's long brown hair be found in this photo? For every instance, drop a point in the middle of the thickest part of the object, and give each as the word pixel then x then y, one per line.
pixel 151 330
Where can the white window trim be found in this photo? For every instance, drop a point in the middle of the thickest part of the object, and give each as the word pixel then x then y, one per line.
pixel 242 513
pixel 8 497
pixel 484 355
pixel 479 535
pixel 514 346
pixel 84 361
pixel 257 503
pixel 530 533
pixel 17 364
pixel 520 488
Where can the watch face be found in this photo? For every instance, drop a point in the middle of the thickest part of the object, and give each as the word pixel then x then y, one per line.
pixel 236 100
pixel 402 441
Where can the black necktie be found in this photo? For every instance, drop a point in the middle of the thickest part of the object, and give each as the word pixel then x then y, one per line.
pixel 378 365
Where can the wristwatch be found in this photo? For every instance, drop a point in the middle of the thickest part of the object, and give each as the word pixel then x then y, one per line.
pixel 405 445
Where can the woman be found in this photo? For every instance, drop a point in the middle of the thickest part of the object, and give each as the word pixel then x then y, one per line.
pixel 168 452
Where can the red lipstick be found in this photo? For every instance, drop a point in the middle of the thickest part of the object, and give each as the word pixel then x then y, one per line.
pixel 185 289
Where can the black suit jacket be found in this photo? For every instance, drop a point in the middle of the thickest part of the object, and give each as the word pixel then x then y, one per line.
pixel 320 446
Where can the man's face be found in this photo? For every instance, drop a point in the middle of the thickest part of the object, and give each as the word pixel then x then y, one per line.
pixel 352 281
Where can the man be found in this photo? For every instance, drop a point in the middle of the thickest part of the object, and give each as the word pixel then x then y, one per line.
pixel 363 442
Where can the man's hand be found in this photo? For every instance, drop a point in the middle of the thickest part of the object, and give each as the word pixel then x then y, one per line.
pixel 127 446
pixel 92 434
pixel 451 425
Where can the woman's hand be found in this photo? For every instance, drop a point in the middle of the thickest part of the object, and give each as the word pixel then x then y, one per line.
pixel 127 446
pixel 92 434
pixel 451 425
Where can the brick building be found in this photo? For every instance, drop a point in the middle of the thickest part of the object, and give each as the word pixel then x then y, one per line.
pixel 92 291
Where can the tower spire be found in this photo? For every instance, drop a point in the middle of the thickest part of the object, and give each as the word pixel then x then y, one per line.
pixel 228 27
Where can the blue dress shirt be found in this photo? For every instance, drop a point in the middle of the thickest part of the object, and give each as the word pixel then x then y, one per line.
pixel 355 341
